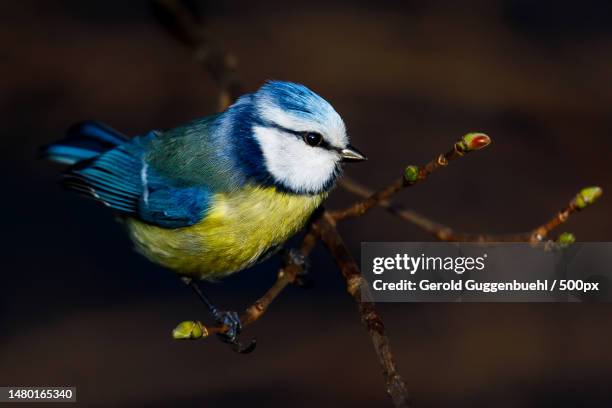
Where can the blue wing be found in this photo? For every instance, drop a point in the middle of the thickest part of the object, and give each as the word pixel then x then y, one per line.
pixel 122 179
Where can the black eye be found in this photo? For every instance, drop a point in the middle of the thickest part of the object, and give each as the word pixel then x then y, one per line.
pixel 312 138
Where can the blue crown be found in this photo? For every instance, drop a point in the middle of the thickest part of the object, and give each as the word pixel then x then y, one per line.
pixel 295 99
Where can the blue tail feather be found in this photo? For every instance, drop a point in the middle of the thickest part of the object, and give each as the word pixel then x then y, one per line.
pixel 83 141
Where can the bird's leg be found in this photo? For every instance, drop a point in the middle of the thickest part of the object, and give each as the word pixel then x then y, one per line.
pixel 296 257
pixel 230 319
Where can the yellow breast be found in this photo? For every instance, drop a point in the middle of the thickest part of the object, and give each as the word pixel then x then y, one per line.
pixel 237 229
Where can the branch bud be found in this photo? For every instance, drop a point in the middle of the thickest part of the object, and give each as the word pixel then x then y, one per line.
pixel 411 174
pixel 189 330
pixel 566 238
pixel 587 196
pixel 473 141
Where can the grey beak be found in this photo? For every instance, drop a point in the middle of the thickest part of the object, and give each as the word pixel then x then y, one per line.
pixel 350 154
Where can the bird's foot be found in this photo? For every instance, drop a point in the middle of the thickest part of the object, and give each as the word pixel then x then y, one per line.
pixel 228 319
pixel 296 257
pixel 231 320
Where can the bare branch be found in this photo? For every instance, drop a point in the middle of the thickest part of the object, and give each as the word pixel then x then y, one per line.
pixel 414 174
pixel 357 287
pixel 442 232
pixel 287 275
pixel 582 200
pixel 325 229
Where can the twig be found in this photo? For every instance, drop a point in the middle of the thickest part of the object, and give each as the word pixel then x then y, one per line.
pixel 325 229
pixel 584 198
pixel 439 231
pixel 287 275
pixel 358 288
pixel 414 174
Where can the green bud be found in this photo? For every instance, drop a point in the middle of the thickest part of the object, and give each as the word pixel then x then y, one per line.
pixel 473 141
pixel 566 238
pixel 188 330
pixel 411 174
pixel 587 196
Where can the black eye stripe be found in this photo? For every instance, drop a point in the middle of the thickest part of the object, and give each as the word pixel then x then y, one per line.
pixel 323 144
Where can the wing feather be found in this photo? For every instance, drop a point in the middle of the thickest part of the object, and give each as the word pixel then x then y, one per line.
pixel 122 179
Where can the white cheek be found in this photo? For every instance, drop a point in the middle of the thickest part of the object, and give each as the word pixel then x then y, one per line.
pixel 293 163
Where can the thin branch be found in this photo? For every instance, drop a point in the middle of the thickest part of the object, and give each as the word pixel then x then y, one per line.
pixel 442 232
pixel 325 229
pixel 288 274
pixel 414 174
pixel 582 200
pixel 358 288
pixel 439 231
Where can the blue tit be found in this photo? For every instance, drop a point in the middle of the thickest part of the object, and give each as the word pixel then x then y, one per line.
pixel 214 196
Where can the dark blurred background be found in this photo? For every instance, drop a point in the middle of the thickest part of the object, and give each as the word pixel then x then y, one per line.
pixel 78 307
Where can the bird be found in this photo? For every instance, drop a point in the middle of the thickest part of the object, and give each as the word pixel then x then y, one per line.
pixel 220 193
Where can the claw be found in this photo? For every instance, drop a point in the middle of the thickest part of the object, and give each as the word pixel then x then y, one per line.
pixel 226 318
pixel 238 347
pixel 297 257
pixel 231 320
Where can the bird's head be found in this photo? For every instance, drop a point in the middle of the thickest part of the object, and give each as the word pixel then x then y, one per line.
pixel 300 139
